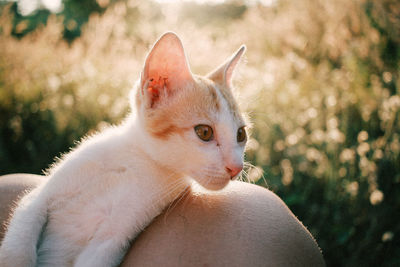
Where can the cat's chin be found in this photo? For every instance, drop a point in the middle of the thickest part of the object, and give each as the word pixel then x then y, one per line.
pixel 215 184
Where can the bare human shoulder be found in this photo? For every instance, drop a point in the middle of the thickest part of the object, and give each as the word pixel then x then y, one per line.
pixel 242 225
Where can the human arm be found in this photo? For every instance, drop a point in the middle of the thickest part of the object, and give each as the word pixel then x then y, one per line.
pixel 242 225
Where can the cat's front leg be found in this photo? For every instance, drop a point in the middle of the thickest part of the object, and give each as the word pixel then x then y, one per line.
pixel 104 253
pixel 18 248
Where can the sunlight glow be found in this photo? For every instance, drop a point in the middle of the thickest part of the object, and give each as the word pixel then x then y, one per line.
pixel 52 5
pixel 197 1
pixel 27 7
pixel 250 2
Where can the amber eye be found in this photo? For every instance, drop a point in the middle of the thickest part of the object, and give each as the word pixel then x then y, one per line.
pixel 204 132
pixel 241 135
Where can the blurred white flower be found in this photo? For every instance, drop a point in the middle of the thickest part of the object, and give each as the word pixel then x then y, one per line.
pixel 352 188
pixel 376 197
pixel 362 136
pixel 255 174
pixel 332 123
pixel 292 139
pixel 53 82
pixel 313 154
pixel 317 136
pixel 394 102
pixel 252 145
pixel 279 145
pixel 287 170
pixel 68 100
pixel 346 155
pixel 336 136
pixel 312 113
pixel 387 236
pixel 378 154
pixel 387 77
pixel 363 148
pixel 331 101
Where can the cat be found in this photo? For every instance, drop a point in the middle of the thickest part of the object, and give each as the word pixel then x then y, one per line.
pixel 100 196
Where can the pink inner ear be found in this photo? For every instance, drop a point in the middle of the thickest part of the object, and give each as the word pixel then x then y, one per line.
pixel 172 67
pixel 166 67
pixel 154 88
pixel 223 74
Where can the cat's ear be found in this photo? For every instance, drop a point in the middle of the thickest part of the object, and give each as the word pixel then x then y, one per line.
pixel 166 69
pixel 224 73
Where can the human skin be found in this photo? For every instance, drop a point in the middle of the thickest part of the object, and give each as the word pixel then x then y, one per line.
pixel 241 225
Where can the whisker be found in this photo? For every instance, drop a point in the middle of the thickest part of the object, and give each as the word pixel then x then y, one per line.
pixel 173 204
pixel 170 189
pixel 162 190
pixel 250 166
pixel 166 211
pixel 244 175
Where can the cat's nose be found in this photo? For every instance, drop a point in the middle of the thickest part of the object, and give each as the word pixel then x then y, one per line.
pixel 234 170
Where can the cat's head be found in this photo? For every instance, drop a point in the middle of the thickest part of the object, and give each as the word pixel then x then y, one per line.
pixel 194 122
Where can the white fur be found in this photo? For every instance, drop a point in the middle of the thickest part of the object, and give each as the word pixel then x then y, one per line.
pixel 101 195
pixel 98 198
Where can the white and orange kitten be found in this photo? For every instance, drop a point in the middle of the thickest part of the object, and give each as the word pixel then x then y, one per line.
pixel 101 195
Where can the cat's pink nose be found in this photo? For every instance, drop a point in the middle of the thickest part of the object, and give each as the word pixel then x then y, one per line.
pixel 234 170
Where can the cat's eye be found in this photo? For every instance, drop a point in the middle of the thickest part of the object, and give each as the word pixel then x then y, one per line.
pixel 204 132
pixel 241 135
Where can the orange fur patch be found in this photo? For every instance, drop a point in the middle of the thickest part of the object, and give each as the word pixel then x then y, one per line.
pixel 198 101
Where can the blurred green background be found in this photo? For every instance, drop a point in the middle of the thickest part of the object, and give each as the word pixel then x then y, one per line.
pixel 321 85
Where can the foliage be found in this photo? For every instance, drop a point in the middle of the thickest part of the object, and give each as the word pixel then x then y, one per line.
pixel 321 85
pixel 74 14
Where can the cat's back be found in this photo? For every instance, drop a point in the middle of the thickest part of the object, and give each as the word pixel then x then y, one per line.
pixel 96 157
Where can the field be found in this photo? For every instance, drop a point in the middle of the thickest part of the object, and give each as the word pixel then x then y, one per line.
pixel 321 84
